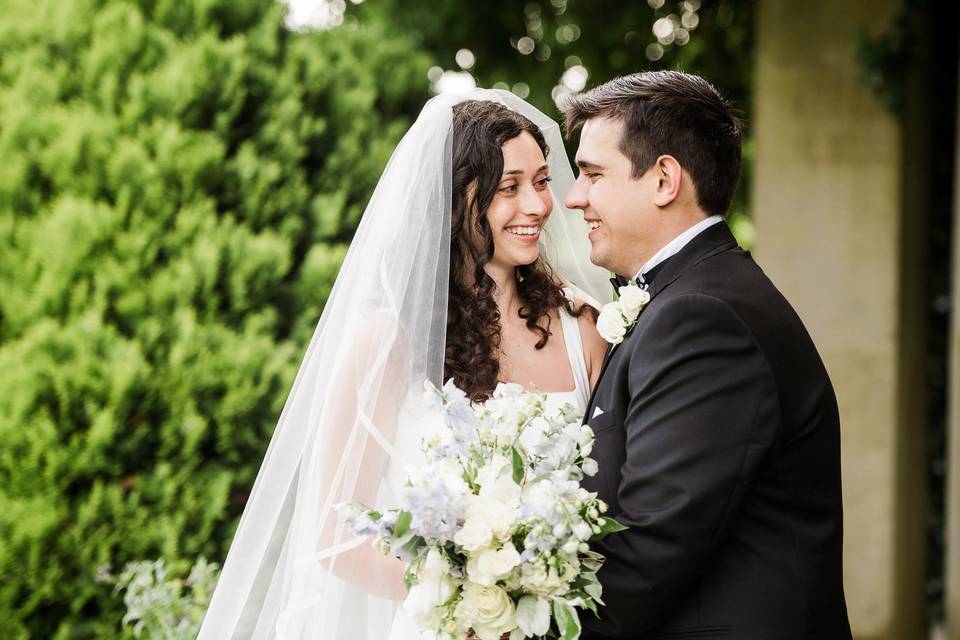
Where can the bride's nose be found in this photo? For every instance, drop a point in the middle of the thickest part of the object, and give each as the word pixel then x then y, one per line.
pixel 534 203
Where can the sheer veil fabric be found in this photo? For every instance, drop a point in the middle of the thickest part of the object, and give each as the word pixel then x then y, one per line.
pixel 353 420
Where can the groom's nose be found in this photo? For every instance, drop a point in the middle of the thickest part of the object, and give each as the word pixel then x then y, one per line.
pixel 577 198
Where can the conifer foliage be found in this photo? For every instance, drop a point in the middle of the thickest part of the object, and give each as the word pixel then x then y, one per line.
pixel 179 180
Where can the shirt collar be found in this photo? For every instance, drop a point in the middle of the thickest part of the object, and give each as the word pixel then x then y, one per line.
pixel 674 246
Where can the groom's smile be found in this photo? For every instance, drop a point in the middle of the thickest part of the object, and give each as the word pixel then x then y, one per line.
pixel 596 229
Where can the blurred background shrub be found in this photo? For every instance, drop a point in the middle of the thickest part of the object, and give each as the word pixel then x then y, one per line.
pixel 179 181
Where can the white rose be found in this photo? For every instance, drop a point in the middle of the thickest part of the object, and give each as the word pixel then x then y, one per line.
pixel 492 564
pixel 537 578
pixel 610 324
pixel 490 516
pixel 632 300
pixel 474 535
pixel 488 610
pixel 502 514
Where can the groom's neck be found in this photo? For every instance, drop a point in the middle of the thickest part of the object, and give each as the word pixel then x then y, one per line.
pixel 673 224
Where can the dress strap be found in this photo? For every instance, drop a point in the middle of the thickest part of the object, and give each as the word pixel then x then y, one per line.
pixel 574 344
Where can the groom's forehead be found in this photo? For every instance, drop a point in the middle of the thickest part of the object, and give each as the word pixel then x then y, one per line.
pixel 598 138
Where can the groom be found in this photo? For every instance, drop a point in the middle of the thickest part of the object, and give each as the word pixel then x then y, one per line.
pixel 717 432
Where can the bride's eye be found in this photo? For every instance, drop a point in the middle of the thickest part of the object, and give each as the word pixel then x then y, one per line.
pixel 510 188
pixel 542 183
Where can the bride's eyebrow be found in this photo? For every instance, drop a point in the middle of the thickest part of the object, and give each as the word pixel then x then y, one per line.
pixel 519 172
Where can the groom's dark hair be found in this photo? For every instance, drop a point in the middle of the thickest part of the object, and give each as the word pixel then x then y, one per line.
pixel 670 113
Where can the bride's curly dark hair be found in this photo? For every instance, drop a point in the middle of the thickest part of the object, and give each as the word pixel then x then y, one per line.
pixel 480 129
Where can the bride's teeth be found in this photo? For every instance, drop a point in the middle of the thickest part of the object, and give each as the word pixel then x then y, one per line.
pixel 523 231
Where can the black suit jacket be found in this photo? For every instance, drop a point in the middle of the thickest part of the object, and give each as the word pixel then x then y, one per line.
pixel 719 447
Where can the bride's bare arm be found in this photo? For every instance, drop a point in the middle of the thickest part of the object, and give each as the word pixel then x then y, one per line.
pixel 355 460
pixel 594 347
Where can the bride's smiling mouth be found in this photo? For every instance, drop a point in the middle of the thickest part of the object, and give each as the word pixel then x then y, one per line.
pixel 524 233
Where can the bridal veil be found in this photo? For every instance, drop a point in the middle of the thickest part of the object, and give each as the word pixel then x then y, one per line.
pixel 293 570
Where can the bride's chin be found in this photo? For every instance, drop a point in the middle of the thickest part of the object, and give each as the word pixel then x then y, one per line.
pixel 528 260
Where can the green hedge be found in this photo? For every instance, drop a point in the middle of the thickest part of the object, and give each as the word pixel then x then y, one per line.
pixel 179 180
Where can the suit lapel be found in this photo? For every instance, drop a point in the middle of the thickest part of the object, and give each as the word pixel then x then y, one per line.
pixel 710 242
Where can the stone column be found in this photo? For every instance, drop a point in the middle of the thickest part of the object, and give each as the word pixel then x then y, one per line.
pixel 952 501
pixel 832 231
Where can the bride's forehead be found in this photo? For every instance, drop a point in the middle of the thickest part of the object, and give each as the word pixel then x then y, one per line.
pixel 522 149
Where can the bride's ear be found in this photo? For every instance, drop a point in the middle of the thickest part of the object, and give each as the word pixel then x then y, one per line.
pixel 669 176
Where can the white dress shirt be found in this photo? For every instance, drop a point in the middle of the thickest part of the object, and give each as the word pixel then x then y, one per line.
pixel 674 246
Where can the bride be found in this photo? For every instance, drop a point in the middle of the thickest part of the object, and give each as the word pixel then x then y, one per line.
pixel 464 267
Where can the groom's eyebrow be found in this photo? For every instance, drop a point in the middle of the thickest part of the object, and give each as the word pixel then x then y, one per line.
pixel 519 172
pixel 587 165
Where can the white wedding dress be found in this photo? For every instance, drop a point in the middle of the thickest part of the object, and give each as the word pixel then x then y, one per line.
pixel 409 454
pixel 352 424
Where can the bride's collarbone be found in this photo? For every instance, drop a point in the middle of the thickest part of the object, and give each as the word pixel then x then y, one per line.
pixel 547 369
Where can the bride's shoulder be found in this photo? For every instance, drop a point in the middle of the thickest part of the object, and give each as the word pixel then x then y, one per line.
pixel 594 346
pixel 580 302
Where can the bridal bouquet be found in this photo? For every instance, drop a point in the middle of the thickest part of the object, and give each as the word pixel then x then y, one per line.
pixel 494 528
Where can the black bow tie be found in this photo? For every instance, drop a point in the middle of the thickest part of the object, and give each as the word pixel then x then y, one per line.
pixel 619 281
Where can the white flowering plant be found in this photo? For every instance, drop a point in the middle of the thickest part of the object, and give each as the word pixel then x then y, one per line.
pixel 618 318
pixel 495 527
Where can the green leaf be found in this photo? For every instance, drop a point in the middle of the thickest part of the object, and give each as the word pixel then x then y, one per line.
pixel 518 470
pixel 590 604
pixel 588 587
pixel 608 526
pixel 407 546
pixel 404 518
pixel 593 588
pixel 568 622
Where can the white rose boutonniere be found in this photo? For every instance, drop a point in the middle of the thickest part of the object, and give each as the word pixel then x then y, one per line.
pixel 618 318
pixel 633 299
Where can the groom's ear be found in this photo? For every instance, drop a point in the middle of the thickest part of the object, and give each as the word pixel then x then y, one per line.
pixel 669 176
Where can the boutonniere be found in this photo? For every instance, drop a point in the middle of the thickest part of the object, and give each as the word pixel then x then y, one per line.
pixel 619 317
